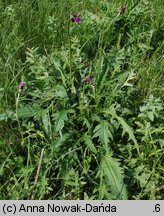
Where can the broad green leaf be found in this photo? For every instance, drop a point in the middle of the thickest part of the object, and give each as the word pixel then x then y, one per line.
pixel 42 115
pixel 3 117
pixel 102 131
pixel 113 174
pixel 88 141
pixel 61 92
pixel 60 117
pixel 26 112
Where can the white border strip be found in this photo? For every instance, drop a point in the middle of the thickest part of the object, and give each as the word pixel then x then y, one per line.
pixel 82 207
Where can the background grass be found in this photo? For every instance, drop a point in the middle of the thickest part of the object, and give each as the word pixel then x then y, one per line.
pixel 62 137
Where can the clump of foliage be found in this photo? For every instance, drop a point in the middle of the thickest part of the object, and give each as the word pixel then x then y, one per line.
pixel 82 111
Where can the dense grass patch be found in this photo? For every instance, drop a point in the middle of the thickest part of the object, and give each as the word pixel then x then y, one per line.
pixel 81 99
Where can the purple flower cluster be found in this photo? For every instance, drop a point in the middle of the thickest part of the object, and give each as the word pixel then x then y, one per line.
pixel 88 79
pixel 76 19
pixel 21 86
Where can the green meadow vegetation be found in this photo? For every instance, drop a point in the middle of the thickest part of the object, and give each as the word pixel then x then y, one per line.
pixel 82 99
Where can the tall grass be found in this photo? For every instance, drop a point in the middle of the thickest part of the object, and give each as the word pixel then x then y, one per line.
pixel 88 123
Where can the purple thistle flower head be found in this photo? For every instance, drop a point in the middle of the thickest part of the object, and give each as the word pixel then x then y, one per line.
pixel 122 9
pixel 88 79
pixel 76 19
pixel 22 84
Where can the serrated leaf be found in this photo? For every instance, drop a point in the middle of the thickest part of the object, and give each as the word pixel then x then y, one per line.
pixel 42 115
pixel 127 129
pixel 60 140
pixel 143 108
pixel 61 92
pixel 150 115
pixel 60 117
pixel 131 77
pixel 102 131
pixel 26 112
pixel 86 123
pixel 125 126
pixel 111 171
pixel 88 141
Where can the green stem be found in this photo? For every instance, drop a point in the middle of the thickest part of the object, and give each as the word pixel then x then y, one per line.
pixel 100 48
pixel 17 116
pixel 70 54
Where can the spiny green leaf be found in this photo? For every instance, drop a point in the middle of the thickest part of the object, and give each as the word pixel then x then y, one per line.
pixel 61 92
pixel 88 141
pixel 60 117
pixel 113 174
pixel 27 111
pixel 86 123
pixel 102 131
pixel 126 128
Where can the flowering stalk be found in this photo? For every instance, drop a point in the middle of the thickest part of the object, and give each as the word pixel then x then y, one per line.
pixel 70 53
pixel 100 48
pixel 20 88
pixel 17 116
pixel 75 19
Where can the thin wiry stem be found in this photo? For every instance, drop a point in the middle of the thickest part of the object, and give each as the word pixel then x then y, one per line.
pixel 37 173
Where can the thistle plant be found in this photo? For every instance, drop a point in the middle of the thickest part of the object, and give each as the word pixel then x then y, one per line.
pixel 90 123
